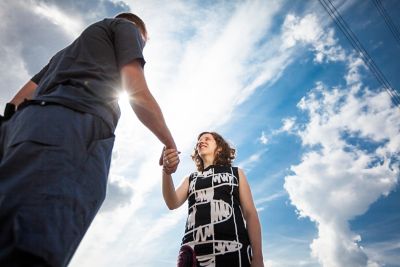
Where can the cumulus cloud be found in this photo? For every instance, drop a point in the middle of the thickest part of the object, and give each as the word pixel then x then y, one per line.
pixel 338 179
pixel 308 30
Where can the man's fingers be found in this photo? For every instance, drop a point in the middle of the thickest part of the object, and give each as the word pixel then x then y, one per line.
pixel 170 151
pixel 170 160
pixel 171 157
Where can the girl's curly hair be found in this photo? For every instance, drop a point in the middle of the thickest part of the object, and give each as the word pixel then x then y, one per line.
pixel 224 155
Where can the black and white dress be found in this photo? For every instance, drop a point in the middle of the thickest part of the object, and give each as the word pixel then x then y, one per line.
pixel 215 227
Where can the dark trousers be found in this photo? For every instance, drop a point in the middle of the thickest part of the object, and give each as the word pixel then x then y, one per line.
pixel 54 164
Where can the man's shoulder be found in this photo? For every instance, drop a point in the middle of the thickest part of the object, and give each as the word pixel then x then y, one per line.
pixel 106 25
pixel 114 21
pixel 104 22
pixel 113 24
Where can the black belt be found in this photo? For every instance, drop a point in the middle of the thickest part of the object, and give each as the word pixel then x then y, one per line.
pixel 35 102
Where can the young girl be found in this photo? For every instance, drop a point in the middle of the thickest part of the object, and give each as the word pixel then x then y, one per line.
pixel 222 226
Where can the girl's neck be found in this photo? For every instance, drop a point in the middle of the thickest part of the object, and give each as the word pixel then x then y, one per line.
pixel 208 161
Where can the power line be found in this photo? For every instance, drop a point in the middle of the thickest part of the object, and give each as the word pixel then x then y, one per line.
pixel 349 34
pixel 334 13
pixel 388 20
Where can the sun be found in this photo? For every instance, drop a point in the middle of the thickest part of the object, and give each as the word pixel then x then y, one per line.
pixel 123 98
pixel 123 101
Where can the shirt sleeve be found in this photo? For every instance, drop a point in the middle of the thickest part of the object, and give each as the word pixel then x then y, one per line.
pixel 128 43
pixel 38 77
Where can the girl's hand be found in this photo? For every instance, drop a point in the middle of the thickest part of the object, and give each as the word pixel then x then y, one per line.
pixel 170 160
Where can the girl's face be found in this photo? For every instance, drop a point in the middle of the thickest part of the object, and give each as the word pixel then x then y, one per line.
pixel 206 145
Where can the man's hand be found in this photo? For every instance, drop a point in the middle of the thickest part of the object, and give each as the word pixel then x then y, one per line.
pixel 8 112
pixel 170 160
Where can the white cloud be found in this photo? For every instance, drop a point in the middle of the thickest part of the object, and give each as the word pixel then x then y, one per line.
pixel 338 180
pixel 270 198
pixel 288 263
pixel 288 126
pixel 279 51
pixel 249 163
pixel 263 138
pixel 385 251
pixel 353 74
pixel 308 30
pixel 119 193
pixel 305 30
pixel 71 24
pixel 277 247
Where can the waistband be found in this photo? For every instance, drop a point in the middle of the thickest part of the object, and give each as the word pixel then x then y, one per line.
pixel 38 102
pixel 35 102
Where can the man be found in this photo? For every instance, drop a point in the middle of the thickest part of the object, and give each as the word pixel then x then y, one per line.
pixel 55 151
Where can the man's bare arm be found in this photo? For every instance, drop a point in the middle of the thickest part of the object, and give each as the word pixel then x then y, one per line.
pixel 26 92
pixel 143 103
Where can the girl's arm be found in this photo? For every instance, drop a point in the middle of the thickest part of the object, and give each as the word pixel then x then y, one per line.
pixel 252 221
pixel 173 198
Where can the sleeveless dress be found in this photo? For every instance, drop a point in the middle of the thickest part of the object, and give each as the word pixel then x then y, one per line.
pixel 215 227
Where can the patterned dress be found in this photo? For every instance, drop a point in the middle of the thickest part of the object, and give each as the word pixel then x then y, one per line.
pixel 215 227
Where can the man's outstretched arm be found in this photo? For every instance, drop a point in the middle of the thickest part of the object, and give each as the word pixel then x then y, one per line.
pixel 143 103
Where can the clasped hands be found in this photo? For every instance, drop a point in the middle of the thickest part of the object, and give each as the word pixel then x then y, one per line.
pixel 169 160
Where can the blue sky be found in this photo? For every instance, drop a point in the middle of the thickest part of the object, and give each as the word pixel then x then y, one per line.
pixel 316 134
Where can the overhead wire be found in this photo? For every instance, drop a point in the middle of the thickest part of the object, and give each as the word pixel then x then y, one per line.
pixel 388 20
pixel 338 19
pixel 352 38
